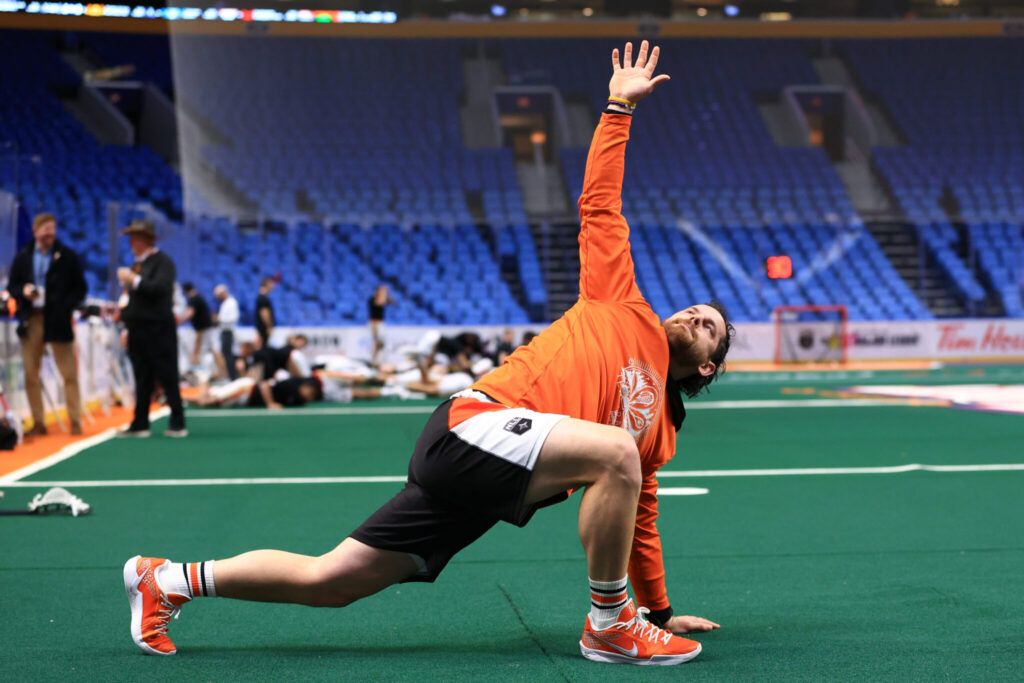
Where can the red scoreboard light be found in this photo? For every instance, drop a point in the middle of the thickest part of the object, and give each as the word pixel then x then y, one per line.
pixel 779 267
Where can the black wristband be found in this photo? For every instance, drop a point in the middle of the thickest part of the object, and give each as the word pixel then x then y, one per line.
pixel 660 617
pixel 609 110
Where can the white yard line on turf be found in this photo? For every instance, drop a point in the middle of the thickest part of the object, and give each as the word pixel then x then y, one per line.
pixel 799 471
pixel 242 412
pixel 799 403
pixel 681 491
pixel 210 482
pixel 427 409
pixel 70 450
pixel 695 474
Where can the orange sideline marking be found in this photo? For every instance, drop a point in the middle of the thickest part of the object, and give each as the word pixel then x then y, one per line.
pixel 38 448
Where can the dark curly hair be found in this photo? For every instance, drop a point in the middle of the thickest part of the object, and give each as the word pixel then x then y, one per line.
pixel 692 385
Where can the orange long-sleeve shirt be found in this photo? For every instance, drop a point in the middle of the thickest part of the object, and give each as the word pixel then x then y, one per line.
pixel 606 360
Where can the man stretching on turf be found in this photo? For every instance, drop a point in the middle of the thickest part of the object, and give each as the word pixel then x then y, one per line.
pixel 593 403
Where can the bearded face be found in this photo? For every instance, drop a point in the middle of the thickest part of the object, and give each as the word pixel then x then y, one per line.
pixel 45 235
pixel 693 335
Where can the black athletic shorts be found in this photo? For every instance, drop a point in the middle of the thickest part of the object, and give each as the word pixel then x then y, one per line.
pixel 469 470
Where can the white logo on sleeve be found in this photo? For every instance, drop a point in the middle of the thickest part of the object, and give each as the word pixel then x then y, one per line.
pixel 642 391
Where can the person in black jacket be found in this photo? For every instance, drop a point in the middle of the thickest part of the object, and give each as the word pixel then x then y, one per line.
pixel 265 318
pixel 152 330
pixel 381 298
pixel 47 282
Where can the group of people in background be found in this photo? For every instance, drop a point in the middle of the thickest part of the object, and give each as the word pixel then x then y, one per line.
pixel 283 376
pixel 48 284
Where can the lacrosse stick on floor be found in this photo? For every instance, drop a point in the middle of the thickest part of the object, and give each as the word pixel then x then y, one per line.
pixel 55 501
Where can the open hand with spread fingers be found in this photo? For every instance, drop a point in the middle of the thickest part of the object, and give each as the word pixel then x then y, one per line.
pixel 688 624
pixel 634 82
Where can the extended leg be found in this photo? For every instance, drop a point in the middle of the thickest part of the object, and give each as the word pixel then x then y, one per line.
pixel 351 571
pixel 158 588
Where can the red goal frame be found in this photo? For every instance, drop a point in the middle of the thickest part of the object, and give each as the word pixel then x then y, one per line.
pixel 844 323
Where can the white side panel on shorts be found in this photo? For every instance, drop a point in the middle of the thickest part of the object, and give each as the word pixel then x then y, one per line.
pixel 515 434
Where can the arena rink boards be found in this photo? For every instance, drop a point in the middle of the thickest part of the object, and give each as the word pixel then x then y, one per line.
pixel 888 575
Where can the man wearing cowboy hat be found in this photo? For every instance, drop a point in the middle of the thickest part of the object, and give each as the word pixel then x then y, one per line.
pixel 152 332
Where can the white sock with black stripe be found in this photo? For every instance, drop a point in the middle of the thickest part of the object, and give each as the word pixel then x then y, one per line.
pixel 607 598
pixel 191 579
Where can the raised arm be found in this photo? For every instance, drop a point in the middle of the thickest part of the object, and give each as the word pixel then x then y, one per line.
pixel 606 266
pixel 633 82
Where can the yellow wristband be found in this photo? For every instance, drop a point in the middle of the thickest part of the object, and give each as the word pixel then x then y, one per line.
pixel 622 100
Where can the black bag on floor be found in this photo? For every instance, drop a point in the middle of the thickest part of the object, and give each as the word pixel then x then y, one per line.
pixel 8 435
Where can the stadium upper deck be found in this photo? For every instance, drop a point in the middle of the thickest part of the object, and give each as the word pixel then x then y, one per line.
pixel 334 136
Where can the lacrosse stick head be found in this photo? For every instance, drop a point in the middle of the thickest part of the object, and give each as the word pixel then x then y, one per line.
pixel 56 500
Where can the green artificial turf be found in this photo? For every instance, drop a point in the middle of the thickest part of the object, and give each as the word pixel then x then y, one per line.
pixel 908 576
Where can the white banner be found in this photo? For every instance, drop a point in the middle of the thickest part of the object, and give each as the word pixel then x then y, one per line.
pixel 951 340
pixel 974 338
pixel 968 340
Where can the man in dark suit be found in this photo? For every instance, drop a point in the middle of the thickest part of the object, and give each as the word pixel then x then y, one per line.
pixel 47 282
pixel 152 331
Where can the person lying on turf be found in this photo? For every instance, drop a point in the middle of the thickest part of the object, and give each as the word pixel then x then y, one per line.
pixel 592 403
pixel 274 394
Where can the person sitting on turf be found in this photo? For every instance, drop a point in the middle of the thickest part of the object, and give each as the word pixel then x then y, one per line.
pixel 272 359
pixel 458 353
pixel 592 403
pixel 291 392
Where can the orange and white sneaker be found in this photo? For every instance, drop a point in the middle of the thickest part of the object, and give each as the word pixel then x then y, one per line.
pixel 152 609
pixel 634 640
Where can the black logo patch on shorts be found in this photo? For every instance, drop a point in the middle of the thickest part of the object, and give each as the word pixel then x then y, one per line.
pixel 518 425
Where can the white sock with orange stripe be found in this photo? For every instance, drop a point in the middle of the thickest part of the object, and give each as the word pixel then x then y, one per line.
pixel 191 579
pixel 607 599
